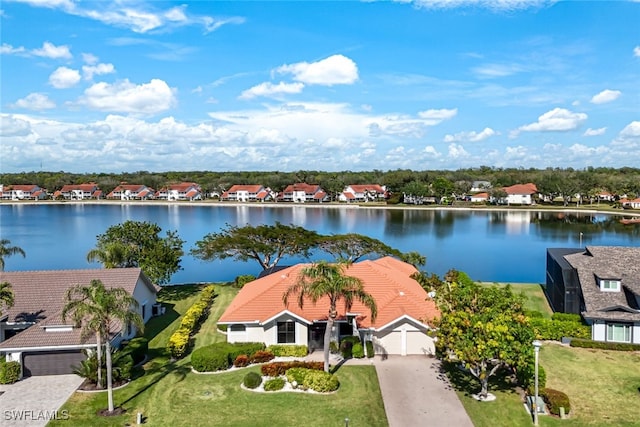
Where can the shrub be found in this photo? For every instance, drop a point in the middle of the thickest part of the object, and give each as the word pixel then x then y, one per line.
pixel 320 381
pixel 242 280
pixel 241 361
pixel 179 341
pixel 530 380
pixel 261 356
pixel 137 348
pixel 252 380
pixel 9 372
pixel 274 384
pixel 223 328
pixel 296 376
pixel 357 351
pixel 556 400
pixel 333 347
pixel 531 314
pixel 280 350
pixel 567 317
pixel 346 346
pixel 206 359
pixel 370 350
pixel 546 329
pixel 121 364
pixel 276 369
pixel 619 346
pixel 238 348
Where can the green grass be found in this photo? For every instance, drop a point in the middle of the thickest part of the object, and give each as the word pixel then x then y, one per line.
pixel 602 387
pixel 170 394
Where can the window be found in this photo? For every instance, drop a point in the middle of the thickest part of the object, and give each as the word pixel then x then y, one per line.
pixel 237 328
pixel 618 332
pixel 610 285
pixel 286 332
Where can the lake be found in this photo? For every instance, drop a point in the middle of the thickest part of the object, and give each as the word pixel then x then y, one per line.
pixel 489 245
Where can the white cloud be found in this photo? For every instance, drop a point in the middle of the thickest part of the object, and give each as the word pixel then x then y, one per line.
pixel 497 70
pixel 636 51
pixel 472 136
pixel 595 132
pixel 605 96
pixel 49 50
pixel 270 89
pixel 64 77
pixel 7 49
pixel 457 151
pixel 433 117
pixel 35 101
pixel 127 97
pixel 336 69
pixel 14 126
pixel 556 120
pixel 494 5
pixel 431 151
pixel 632 130
pixel 93 70
pixel 89 58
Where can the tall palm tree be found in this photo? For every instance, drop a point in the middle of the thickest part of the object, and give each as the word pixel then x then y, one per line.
pixel 6 295
pixel 329 280
pixel 96 308
pixel 7 250
pixel 114 255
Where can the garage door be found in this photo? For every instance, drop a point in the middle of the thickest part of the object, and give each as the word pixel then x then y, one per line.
pixel 419 343
pixel 51 362
pixel 388 343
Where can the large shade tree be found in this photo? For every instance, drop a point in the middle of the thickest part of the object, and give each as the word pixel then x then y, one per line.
pixel 6 295
pixel 139 244
pixel 352 247
pixel 7 250
pixel 96 308
pixel 483 328
pixel 324 280
pixel 265 244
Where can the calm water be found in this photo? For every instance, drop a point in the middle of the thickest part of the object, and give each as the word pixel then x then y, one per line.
pixel 505 246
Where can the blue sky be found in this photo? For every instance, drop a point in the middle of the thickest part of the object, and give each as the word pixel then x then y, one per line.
pixel 122 86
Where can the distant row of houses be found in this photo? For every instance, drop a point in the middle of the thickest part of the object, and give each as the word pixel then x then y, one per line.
pixel 190 191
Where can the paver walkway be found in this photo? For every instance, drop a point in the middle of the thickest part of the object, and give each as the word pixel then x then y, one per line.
pixel 33 401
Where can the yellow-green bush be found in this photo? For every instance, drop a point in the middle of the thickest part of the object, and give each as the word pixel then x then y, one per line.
pixel 179 341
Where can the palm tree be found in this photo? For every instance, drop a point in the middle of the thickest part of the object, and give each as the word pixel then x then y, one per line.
pixel 6 295
pixel 112 256
pixel 328 280
pixel 95 308
pixel 6 250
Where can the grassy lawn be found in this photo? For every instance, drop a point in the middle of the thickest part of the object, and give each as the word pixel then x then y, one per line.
pixel 170 394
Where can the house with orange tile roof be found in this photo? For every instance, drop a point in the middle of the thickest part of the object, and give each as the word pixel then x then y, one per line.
pixel 22 192
pixel 33 332
pixel 479 198
pixel 363 193
pixel 126 191
pixel 302 193
pixel 182 191
pixel 520 194
pixel 84 191
pixel 630 203
pixel 405 310
pixel 247 193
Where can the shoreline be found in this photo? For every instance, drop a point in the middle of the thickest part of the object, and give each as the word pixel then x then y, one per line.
pixel 530 208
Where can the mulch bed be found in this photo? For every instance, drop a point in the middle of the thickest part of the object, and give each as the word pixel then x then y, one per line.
pixel 115 412
pixel 91 386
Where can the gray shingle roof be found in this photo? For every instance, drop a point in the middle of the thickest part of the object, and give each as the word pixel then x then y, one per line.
pixel 609 262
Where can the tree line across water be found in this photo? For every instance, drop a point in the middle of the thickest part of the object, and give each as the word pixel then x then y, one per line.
pixel 439 183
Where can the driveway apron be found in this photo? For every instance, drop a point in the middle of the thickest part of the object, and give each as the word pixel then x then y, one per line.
pixel 34 401
pixel 417 394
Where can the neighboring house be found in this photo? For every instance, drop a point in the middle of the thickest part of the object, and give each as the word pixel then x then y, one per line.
pixel 480 198
pixel 131 192
pixel 32 331
pixel 23 192
pixel 520 194
pixel 302 192
pixel 257 313
pixel 630 204
pixel 247 193
pixel 363 193
pixel 183 191
pixel 480 186
pixel 602 283
pixel 605 196
pixel 84 191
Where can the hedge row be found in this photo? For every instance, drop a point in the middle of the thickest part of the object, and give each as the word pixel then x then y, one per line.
pixel 311 379
pixel 619 346
pixel 276 369
pixel 220 356
pixel 179 341
pixel 260 356
pixel 9 371
pixel 280 350
pixel 556 399
pixel 554 329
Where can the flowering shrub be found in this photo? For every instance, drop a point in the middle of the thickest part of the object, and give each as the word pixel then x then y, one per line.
pixel 179 341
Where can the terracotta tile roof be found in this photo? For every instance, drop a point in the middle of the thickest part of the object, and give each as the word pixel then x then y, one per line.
pixel 320 195
pixel 28 188
pixel 191 193
pixel 90 187
pixel 480 196
pixel 39 297
pixel 183 186
pixel 387 280
pixel 529 188
pixel 302 186
pixel 609 262
pixel 361 188
pixel 251 188
pixel 349 195
pixel 262 194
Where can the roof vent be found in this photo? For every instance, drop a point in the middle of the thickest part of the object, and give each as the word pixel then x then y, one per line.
pixel 401 293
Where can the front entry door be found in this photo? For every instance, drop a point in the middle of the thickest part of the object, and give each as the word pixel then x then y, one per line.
pixel 316 336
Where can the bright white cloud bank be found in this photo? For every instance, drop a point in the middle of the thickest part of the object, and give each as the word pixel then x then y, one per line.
pixel 64 77
pixel 126 97
pixel 35 101
pixel 334 70
pixel 605 96
pixel 556 120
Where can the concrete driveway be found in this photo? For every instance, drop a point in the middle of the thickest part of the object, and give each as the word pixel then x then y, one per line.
pixel 34 401
pixel 416 394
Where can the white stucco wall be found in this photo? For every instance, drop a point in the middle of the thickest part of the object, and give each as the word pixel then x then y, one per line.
pixel 635 333
pixel 598 331
pixel 145 296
